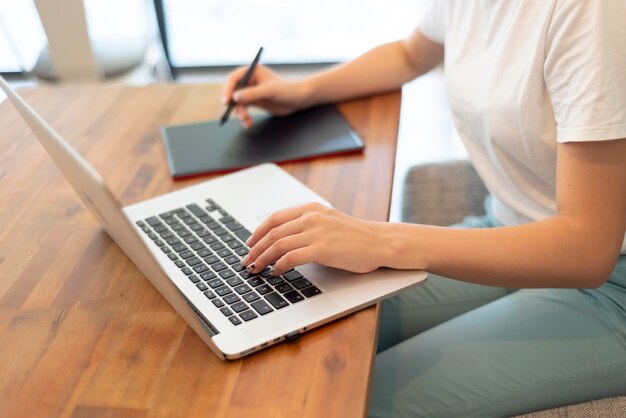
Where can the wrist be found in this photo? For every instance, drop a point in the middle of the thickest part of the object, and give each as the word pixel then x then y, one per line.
pixel 402 249
pixel 306 92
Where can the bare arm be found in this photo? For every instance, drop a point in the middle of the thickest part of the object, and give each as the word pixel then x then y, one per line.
pixel 384 68
pixel 576 248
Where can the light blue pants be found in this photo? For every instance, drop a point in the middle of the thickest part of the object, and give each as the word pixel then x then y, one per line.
pixel 453 349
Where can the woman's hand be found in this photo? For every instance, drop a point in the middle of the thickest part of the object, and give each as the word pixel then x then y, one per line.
pixel 265 90
pixel 315 233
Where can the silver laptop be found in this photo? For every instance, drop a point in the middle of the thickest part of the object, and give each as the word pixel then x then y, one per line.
pixel 189 244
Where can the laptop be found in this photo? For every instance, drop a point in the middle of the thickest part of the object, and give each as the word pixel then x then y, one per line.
pixel 189 244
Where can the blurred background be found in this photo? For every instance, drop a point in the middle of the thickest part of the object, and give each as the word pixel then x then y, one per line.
pixel 139 42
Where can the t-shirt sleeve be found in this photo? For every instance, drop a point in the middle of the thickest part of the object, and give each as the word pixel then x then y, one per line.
pixel 585 69
pixel 432 24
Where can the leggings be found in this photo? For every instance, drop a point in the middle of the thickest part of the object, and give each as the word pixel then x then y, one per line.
pixel 454 349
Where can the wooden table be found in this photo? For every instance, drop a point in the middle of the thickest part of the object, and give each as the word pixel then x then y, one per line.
pixel 84 334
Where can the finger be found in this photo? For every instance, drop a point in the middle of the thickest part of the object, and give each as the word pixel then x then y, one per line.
pixel 292 259
pixel 250 95
pixel 281 231
pixel 273 221
pixel 231 83
pixel 278 250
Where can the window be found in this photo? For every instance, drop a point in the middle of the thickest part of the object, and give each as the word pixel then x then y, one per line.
pixel 204 33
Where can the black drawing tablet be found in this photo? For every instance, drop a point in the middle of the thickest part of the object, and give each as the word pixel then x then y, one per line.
pixel 208 147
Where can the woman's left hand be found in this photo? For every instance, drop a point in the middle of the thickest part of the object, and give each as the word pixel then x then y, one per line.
pixel 318 234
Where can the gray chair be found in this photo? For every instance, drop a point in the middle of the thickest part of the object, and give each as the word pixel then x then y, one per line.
pixel 443 194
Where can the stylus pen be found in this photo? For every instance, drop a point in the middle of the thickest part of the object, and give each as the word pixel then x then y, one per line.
pixel 242 83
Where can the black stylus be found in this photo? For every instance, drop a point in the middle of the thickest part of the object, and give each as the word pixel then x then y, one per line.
pixel 242 83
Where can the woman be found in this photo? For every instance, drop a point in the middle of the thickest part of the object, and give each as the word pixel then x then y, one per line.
pixel 538 94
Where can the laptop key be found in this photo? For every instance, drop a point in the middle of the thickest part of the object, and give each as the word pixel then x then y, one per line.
pixel 275 280
pixel 218 302
pixel 294 297
pixel 174 242
pixel 180 248
pixel 193 261
pixel 170 255
pixel 242 251
pixel 234 226
pixel 211 259
pixel 226 311
pixel 292 275
pixel 209 294
pixel 202 286
pixel 187 271
pixel 190 239
pixel 261 307
pixel 218 266
pixel 224 290
pixel 263 289
pixel 160 228
pixel 224 253
pixel 208 275
pixel 235 320
pixel 248 315
pixel 153 221
pixel 232 298
pixel 243 288
pixel 198 246
pixel 301 283
pixel 232 259
pixel 239 306
pixel 209 239
pixel 194 278
pixel 235 244
pixel 220 231
pixel 159 242
pixel 243 234
pixel 225 274
pixel 237 267
pixel 214 283
pixel 140 224
pixel 276 300
pixel 266 272
pixel 196 210
pixel 311 291
pixel 226 219
pixel 204 252
pixel 186 254
pixel 200 268
pixel 235 281
pixel 227 238
pixel 284 287
pixel 255 281
pixel 251 297
pixel 216 246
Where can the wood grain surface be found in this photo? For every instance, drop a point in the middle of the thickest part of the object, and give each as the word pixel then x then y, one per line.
pixel 84 334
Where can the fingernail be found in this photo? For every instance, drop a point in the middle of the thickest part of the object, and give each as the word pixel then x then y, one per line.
pixel 250 268
pixel 248 241
pixel 224 100
pixel 272 271
pixel 236 97
pixel 245 260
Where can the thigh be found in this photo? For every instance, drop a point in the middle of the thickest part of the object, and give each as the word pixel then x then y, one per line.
pixel 434 302
pixel 530 350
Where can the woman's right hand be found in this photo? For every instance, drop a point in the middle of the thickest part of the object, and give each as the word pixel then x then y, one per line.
pixel 265 90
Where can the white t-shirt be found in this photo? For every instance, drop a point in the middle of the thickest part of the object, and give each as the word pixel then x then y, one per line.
pixel 523 75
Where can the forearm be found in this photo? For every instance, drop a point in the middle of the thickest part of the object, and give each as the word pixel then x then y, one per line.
pixel 554 253
pixel 384 68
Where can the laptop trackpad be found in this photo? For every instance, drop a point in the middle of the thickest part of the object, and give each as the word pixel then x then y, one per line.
pixel 293 317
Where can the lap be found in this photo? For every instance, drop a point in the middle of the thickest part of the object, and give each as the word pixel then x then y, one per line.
pixel 525 351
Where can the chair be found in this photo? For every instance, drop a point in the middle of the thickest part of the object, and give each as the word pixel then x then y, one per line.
pixel 442 194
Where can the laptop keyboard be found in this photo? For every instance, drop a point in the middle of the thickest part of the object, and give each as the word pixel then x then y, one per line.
pixel 207 245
